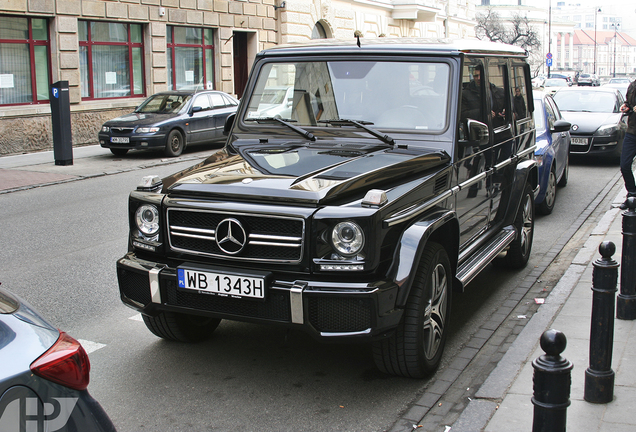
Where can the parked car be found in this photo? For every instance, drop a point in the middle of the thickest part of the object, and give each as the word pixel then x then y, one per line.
pixel 586 79
pixel 620 84
pixel 357 219
pixel 538 81
pixel 598 126
pixel 44 375
pixel 551 85
pixel 170 120
pixel 276 102
pixel 566 77
pixel 552 152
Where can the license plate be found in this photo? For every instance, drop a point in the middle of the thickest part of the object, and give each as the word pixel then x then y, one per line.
pixel 221 284
pixel 579 140
pixel 120 140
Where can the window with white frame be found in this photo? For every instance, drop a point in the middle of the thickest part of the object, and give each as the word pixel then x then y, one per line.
pixel 111 59
pixel 24 60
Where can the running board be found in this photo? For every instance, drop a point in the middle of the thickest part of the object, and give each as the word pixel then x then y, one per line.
pixel 480 259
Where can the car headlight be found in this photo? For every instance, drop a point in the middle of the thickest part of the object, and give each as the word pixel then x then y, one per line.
pixel 347 238
pixel 606 130
pixel 539 159
pixel 105 129
pixel 147 219
pixel 147 129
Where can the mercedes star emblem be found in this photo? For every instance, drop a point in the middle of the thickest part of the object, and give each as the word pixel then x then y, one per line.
pixel 230 236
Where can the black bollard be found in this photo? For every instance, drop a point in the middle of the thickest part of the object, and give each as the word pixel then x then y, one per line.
pixel 626 302
pixel 599 377
pixel 552 380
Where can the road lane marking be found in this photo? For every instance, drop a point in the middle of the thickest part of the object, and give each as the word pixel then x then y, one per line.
pixel 90 346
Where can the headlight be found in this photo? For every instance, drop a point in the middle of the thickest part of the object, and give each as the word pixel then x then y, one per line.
pixel 105 129
pixel 147 218
pixel 147 129
pixel 606 130
pixel 539 159
pixel 347 238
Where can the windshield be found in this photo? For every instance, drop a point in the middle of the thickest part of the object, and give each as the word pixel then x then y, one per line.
pixel 164 104
pixel 586 101
pixel 392 95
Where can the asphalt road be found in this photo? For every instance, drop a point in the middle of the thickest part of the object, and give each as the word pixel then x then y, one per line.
pixel 59 247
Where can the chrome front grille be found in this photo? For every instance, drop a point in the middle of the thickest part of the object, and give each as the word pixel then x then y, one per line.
pixel 122 130
pixel 237 236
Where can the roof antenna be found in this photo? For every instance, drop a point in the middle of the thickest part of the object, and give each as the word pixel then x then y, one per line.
pixel 357 34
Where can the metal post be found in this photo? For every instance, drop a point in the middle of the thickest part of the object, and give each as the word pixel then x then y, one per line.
pixel 599 377
pixel 626 302
pixel 595 43
pixel 552 381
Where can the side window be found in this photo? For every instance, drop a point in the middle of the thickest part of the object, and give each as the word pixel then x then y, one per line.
pixel 499 92
pixel 202 101
pixel 472 91
pixel 551 116
pixel 217 100
pixel 520 97
pixel 555 109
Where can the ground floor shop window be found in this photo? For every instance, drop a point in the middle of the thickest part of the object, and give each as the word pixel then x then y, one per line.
pixel 24 60
pixel 111 59
pixel 190 58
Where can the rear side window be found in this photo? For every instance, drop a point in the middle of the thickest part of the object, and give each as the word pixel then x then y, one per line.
pixel 520 94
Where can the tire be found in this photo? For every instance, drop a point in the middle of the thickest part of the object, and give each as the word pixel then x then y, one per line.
pixel 118 151
pixel 174 144
pixel 519 250
pixel 563 182
pixel 547 205
pixel 415 349
pixel 181 327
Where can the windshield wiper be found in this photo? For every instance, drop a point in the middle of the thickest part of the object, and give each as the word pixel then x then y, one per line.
pixel 362 125
pixel 285 122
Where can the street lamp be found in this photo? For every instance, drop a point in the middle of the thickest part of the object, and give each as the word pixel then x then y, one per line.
pixel 615 25
pixel 595 43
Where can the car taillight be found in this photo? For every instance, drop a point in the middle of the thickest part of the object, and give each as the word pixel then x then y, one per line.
pixel 65 363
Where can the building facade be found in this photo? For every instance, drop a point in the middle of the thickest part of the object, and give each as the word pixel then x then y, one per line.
pixel 115 53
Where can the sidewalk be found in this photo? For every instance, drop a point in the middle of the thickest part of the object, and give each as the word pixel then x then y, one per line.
pixel 503 403
pixel 25 171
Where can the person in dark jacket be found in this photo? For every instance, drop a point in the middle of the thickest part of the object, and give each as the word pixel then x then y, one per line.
pixel 629 143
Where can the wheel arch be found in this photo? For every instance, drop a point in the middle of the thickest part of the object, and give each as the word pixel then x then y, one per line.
pixel 441 227
pixel 526 172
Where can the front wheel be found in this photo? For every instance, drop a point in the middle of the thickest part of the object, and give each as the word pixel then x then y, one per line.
pixel 174 144
pixel 519 250
pixel 181 327
pixel 416 347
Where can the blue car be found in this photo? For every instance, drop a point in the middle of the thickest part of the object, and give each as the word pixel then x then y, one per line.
pixel 43 375
pixel 552 153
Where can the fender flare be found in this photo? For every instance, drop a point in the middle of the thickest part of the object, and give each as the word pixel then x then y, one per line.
pixel 411 244
pixel 527 171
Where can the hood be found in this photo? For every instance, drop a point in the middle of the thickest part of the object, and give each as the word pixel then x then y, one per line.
pixel 588 123
pixel 309 173
pixel 139 119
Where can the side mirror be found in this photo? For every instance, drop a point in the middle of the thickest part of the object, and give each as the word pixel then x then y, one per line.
pixel 229 122
pixel 196 109
pixel 561 126
pixel 478 132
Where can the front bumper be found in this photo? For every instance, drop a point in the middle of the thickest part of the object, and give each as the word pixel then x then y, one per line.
pixel 326 310
pixel 135 141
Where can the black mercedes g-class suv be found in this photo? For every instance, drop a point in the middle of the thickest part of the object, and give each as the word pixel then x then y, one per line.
pixel 360 185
